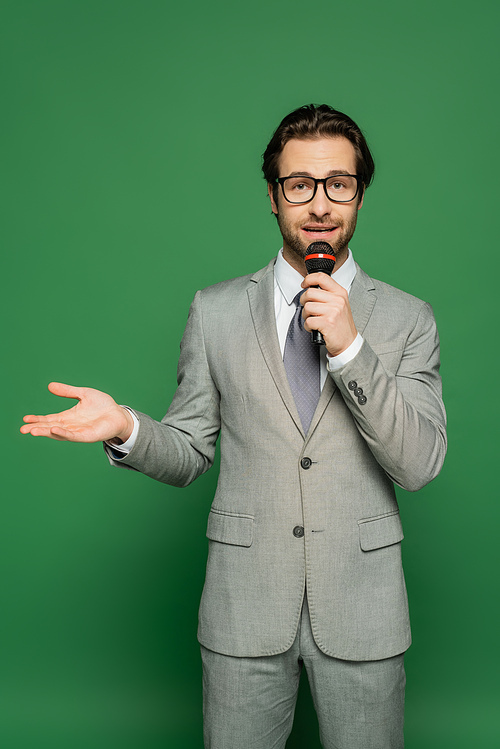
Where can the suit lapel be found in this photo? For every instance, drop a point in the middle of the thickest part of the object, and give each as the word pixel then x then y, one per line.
pixel 261 299
pixel 362 299
pixel 324 399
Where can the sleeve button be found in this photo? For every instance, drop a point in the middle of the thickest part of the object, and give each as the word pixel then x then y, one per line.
pixel 362 400
pixel 352 385
pixel 358 392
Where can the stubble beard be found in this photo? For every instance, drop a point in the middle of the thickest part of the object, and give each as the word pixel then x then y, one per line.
pixel 299 247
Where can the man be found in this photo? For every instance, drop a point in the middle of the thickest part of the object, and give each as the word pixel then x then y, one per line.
pixel 304 564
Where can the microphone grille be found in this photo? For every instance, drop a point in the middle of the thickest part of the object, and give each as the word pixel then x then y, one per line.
pixel 317 247
pixel 320 258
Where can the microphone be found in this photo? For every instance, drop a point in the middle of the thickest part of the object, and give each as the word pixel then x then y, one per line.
pixel 319 258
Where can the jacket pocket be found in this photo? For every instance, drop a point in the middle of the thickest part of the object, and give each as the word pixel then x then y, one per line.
pixel 230 528
pixel 380 531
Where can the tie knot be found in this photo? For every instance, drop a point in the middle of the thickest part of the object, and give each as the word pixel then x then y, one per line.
pixel 296 299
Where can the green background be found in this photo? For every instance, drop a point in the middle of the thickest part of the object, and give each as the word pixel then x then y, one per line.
pixel 131 135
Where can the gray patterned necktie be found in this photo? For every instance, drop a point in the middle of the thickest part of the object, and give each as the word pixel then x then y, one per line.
pixel 301 360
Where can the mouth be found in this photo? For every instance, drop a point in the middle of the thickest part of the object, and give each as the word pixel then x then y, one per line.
pixel 320 230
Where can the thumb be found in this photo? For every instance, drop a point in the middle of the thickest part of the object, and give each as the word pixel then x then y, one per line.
pixel 66 391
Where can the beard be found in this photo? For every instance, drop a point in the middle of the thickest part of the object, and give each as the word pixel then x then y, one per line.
pixel 299 245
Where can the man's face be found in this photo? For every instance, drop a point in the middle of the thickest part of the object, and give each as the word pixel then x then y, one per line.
pixel 320 220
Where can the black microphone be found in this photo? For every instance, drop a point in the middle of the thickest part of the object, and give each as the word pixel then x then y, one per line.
pixel 319 259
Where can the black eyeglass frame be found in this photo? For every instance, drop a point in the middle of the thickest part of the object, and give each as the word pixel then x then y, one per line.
pixel 281 181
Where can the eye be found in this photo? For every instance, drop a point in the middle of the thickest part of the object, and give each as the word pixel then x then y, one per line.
pixel 299 185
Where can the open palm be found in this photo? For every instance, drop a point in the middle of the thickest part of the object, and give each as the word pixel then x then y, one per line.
pixel 95 418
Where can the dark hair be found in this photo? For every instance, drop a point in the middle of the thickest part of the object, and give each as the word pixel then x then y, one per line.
pixel 310 122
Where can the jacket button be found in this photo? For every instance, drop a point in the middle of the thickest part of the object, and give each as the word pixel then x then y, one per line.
pixel 352 385
pixel 306 463
pixel 358 392
pixel 362 400
pixel 298 531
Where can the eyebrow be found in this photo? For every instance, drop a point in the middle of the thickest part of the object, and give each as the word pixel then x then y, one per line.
pixel 331 173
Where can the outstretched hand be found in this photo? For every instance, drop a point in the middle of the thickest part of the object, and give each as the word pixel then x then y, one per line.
pixel 95 418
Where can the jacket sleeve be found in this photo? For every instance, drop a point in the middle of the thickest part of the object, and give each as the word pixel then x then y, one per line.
pixel 400 414
pixel 182 446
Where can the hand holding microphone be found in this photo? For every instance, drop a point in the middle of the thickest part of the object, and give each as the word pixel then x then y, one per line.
pixel 326 306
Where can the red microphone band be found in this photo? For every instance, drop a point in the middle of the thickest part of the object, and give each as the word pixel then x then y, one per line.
pixel 321 255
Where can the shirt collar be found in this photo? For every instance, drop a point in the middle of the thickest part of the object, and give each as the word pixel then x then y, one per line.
pixel 289 280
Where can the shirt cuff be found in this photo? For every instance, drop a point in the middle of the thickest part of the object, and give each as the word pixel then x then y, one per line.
pixel 333 363
pixel 125 447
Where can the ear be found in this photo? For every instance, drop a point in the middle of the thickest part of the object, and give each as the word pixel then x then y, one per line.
pixel 361 199
pixel 270 189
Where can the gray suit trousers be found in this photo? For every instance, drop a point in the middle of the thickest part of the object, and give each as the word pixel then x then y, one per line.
pixel 249 703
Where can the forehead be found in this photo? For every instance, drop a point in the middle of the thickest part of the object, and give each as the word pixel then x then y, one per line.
pixel 318 157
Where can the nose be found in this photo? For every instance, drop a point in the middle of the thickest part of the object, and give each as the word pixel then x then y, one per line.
pixel 320 205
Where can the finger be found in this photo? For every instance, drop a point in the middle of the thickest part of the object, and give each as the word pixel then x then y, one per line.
pixel 45 418
pixel 43 422
pixel 318 309
pixel 316 295
pixel 66 391
pixel 318 322
pixel 33 418
pixel 38 431
pixel 314 314
pixel 323 280
pixel 313 323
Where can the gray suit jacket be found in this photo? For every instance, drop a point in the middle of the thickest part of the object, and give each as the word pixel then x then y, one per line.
pixel 232 380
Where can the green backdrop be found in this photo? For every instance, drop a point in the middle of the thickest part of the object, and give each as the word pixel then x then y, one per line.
pixel 131 135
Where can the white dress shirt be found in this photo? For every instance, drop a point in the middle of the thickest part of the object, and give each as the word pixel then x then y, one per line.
pixel 287 284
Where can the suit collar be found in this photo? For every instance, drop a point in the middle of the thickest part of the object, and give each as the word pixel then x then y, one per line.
pixel 269 268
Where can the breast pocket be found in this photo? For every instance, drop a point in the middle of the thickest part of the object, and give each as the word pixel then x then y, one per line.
pixel 380 531
pixel 230 528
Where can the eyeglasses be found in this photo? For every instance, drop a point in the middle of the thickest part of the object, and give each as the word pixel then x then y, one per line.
pixel 340 188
